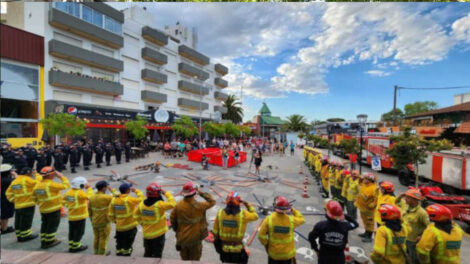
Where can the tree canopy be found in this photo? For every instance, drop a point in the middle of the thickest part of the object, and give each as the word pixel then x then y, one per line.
pixel 234 109
pixel 295 123
pixel 335 119
pixel 389 115
pixel 349 145
pixel 213 129
pixel 137 127
pixel 231 129
pixel 184 127
pixel 419 107
pixel 63 124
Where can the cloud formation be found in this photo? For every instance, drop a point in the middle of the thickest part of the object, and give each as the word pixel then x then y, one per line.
pixel 378 73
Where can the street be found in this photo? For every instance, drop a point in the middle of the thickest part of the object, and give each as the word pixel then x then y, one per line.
pixel 276 169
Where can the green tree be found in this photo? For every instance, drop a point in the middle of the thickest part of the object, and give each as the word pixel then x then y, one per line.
pixel 184 127
pixel 213 129
pixel 231 129
pixel 63 124
pixel 295 123
pixel 419 107
pixel 412 149
pixel 349 145
pixel 388 117
pixel 234 109
pixel 137 127
pixel 245 130
pixel 335 119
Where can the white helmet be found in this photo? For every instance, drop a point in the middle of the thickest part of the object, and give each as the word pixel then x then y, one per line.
pixel 78 183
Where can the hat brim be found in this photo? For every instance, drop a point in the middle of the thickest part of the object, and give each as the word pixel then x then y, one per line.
pixel 188 193
pixel 335 217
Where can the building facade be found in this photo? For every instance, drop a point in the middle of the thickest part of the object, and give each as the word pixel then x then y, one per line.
pixel 108 66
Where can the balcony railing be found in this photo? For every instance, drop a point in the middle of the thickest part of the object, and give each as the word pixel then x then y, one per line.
pixel 155 97
pixel 220 82
pixel 153 76
pixel 220 96
pixel 193 55
pixel 192 88
pixel 157 37
pixel 221 69
pixel 85 83
pixel 192 71
pixel 192 104
pixel 154 56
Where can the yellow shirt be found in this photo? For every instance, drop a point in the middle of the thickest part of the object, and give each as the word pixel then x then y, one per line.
pixel 98 208
pixel 383 199
pixel 231 228
pixel 47 194
pixel 332 177
pixel 367 198
pixel 389 247
pixel 416 218
pixel 20 191
pixel 439 247
pixel 76 200
pixel 339 179
pixel 277 233
pixel 153 218
pixel 121 210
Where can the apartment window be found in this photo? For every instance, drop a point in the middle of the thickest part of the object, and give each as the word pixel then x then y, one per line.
pixel 152 66
pixel 65 67
pixel 67 39
pixel 97 19
pixel 102 50
pixel 87 14
pixel 19 94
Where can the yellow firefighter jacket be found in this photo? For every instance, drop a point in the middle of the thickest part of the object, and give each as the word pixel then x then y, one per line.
pixel 153 218
pixel 76 200
pixel 98 208
pixel 389 246
pixel 439 247
pixel 47 194
pixel 20 191
pixel 121 210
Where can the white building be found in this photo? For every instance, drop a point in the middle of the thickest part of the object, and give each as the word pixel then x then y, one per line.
pixel 106 65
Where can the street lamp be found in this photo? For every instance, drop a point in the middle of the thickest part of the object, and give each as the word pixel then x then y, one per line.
pixel 361 119
pixel 200 108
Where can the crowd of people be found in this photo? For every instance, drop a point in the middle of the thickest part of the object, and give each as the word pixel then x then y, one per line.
pixel 405 232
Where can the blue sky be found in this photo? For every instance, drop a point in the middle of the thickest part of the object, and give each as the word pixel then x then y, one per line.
pixel 331 60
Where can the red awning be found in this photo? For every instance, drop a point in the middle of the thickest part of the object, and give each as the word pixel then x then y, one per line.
pixel 464 128
pixel 123 126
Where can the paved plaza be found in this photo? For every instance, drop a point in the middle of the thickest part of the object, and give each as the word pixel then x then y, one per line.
pixel 218 182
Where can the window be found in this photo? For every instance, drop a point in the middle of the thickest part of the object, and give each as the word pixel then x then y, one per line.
pixel 12 108
pixel 65 67
pixel 103 75
pixel 87 14
pixel 67 39
pixel 97 19
pixel 19 82
pixel 102 50
pixel 18 129
pixel 109 23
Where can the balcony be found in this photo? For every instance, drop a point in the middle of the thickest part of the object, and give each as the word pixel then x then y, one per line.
pixel 221 109
pixel 84 29
pixel 154 97
pixel 76 54
pixel 157 37
pixel 86 84
pixel 154 56
pixel 153 76
pixel 221 69
pixel 193 71
pixel 193 55
pixel 192 104
pixel 220 96
pixel 192 88
pixel 221 83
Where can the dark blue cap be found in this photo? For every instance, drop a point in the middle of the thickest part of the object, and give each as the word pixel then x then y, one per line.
pixel 124 187
pixel 101 184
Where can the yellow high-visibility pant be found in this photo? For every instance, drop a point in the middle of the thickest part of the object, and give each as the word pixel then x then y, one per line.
pixel 100 243
pixel 368 220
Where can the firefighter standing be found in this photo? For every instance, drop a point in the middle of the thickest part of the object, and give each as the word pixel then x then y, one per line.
pixel 441 240
pixel 229 229
pixel 99 155
pixel 59 160
pixel 366 203
pixel 332 178
pixel 415 216
pixel 30 153
pixel 73 158
pixel 351 191
pixel 339 182
pixel 277 232
pixel 76 200
pixel 21 160
pixel 98 210
pixel 324 178
pixel 332 234
pixel 8 154
pixel 87 157
pixel 118 151
pixel 151 214
pixel 127 151
pixel 41 160
pixel 188 220
pixel 121 211
pixel 20 193
pixel 46 193
pixel 389 244
pixel 109 152
pixel 386 196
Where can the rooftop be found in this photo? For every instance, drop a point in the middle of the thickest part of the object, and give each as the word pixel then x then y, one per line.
pixel 465 107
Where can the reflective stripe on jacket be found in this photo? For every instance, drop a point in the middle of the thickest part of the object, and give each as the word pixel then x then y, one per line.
pixel 153 218
pixel 437 246
pixel 390 247
pixel 47 194
pixel 20 191
pixel 76 200
pixel 121 210
pixel 98 208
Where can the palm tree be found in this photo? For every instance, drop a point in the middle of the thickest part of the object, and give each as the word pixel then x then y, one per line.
pixel 234 109
pixel 296 123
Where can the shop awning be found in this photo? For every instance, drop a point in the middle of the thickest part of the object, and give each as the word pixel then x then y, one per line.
pixel 464 128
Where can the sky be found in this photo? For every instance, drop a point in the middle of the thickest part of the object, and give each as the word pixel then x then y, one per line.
pixel 324 60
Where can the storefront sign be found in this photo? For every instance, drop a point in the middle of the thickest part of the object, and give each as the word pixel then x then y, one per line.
pixel 429 131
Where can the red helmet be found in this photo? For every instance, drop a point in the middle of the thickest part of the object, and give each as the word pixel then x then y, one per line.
pixel 387 186
pixel 233 198
pixel 389 212
pixel 189 189
pixel 153 190
pixel 439 213
pixel 414 193
pixel 334 210
pixel 346 172
pixel 281 205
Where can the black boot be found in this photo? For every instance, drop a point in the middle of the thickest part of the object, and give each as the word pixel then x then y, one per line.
pixel 49 245
pixel 367 238
pixel 73 170
pixel 98 165
pixel 86 168
pixel 31 237
pixel 363 234
pixel 81 248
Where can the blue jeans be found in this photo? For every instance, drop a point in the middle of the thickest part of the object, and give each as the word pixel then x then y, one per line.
pixel 225 162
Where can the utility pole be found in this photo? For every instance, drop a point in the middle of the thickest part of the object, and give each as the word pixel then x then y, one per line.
pixel 395 105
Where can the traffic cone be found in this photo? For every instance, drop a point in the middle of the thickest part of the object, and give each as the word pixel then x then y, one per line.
pixel 306 180
pixel 305 194
pixel 62 212
pixel 300 170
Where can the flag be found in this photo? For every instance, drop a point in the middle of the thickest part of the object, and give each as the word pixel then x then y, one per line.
pixel 45 137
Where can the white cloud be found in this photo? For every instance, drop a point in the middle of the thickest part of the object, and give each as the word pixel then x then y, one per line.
pixel 461 29
pixel 378 73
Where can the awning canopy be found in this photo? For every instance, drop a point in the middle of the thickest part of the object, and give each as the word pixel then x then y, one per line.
pixel 464 128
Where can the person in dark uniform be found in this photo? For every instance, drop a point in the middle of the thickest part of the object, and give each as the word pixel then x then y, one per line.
pixel 21 160
pixel 118 151
pixel 8 154
pixel 30 153
pixel 49 153
pixel 109 152
pixel 66 151
pixel 99 155
pixel 41 159
pixel 59 159
pixel 73 157
pixel 87 156
pixel 332 234
pixel 78 147
pixel 8 208
pixel 127 151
